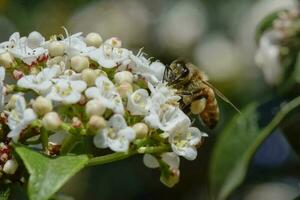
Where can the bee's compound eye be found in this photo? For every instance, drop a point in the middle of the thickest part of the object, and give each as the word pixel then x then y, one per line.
pixel 186 71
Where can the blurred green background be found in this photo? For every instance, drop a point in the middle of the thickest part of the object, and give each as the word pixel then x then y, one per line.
pixel 218 36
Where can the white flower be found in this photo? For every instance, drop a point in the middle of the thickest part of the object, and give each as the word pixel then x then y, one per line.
pixel 26 49
pixel 66 91
pixel 184 142
pixel 172 161
pixel 117 136
pixel 70 75
pixel 108 57
pixel 268 57
pixel 167 118
pixel 19 118
pixel 161 93
pixel 11 43
pixel 169 158
pixel 75 45
pixel 106 92
pixel 163 110
pixel 138 102
pixel 40 82
pixel 152 72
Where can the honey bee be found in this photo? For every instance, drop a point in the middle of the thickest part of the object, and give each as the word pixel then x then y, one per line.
pixel 198 95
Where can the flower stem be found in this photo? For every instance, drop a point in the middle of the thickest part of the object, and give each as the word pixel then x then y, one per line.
pixel 109 158
pixel 123 155
pixel 68 144
pixel 285 110
pixel 154 150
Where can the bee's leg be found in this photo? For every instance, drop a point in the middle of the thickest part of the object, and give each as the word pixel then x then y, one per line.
pixel 194 96
pixel 166 73
pixel 176 80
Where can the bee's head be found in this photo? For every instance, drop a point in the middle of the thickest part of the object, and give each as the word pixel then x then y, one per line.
pixel 178 71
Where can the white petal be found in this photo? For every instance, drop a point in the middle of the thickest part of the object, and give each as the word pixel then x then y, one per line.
pixel 171 159
pixel 120 144
pixel 153 120
pixel 15 133
pixel 137 102
pixel 117 105
pixel 78 85
pixel 29 116
pixel 175 120
pixel 20 104
pixel 53 95
pixel 99 56
pixel 117 122
pixel 43 87
pixel 127 133
pixel 92 93
pixel 74 97
pixel 105 84
pixel 15 37
pixel 100 139
pixel 26 81
pixel 2 73
pixel 191 153
pixel 58 137
pixel 35 39
pixel 158 69
pixel 150 161
pixel 195 136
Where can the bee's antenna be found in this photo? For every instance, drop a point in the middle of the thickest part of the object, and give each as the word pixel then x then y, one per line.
pixel 140 51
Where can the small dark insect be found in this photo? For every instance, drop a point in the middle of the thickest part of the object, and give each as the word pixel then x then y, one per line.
pixel 198 95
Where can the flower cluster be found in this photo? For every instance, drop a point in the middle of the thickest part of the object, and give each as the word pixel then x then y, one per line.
pixel 82 86
pixel 279 46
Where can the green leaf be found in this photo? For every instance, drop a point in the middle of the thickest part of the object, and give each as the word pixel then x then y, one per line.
pixel 48 175
pixel 297 198
pixel 4 192
pixel 296 73
pixel 235 147
pixel 265 24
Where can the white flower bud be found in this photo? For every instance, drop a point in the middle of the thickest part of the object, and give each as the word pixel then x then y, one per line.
pixel 79 63
pixel 141 130
pixel 17 74
pixel 94 107
pixel 89 76
pixel 125 89
pixel 124 76
pixel 76 122
pixel 42 105
pixel 96 122
pixel 35 39
pixel 100 72
pixel 6 60
pixel 198 106
pixel 93 39
pixel 10 167
pixel 56 49
pixel 51 121
pixel 114 42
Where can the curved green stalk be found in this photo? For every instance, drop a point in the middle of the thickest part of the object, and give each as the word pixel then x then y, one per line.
pixel 123 155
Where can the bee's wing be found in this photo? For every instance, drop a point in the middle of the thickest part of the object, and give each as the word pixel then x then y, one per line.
pixel 222 96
